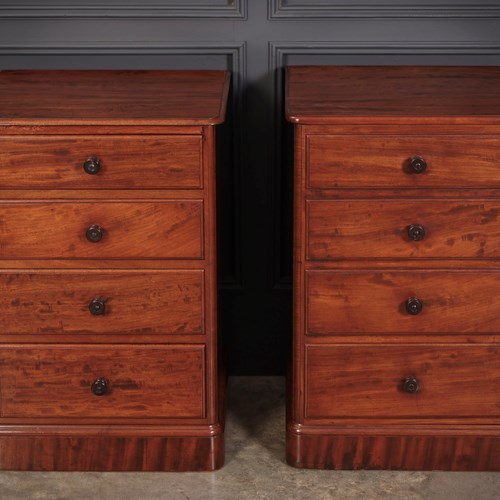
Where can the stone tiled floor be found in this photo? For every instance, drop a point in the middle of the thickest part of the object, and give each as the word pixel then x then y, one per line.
pixel 255 468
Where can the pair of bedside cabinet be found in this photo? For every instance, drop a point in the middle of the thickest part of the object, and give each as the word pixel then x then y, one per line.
pixel 109 357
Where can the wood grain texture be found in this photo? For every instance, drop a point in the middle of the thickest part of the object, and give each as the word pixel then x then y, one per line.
pixel 379 229
pixel 356 265
pixel 196 97
pixel 408 451
pixel 367 381
pixel 126 161
pixel 369 302
pixel 154 269
pixel 167 229
pixel 52 304
pixel 377 161
pixel 392 94
pixel 102 453
pixel 55 381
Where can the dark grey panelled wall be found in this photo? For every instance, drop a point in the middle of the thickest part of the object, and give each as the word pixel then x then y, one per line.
pixel 255 39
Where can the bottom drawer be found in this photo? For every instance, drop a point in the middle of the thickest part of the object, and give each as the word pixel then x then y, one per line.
pixel 402 381
pixel 92 381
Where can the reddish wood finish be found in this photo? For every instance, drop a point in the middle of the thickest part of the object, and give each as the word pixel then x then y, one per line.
pixel 53 381
pixel 372 229
pixel 43 230
pixel 103 452
pixel 126 161
pixel 389 94
pixel 409 449
pixel 113 97
pixel 350 161
pixel 367 381
pixel 356 266
pixel 375 302
pixel 53 304
pixel 154 270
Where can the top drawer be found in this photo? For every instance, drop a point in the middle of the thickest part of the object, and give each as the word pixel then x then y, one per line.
pixel 353 161
pixel 101 162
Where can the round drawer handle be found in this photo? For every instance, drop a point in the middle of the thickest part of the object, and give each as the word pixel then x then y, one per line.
pixel 416 232
pixel 414 306
pixel 97 307
pixel 418 165
pixel 100 386
pixel 94 233
pixel 92 165
pixel 411 385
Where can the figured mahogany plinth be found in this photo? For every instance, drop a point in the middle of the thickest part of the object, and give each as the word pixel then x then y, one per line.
pixel 413 448
pixel 93 449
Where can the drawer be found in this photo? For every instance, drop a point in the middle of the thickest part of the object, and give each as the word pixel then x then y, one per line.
pixel 102 382
pixel 349 229
pixel 51 230
pixel 102 302
pixel 354 161
pixel 101 162
pixel 376 381
pixel 402 302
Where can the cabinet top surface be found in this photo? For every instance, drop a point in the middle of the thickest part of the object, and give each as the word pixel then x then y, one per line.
pixel 87 97
pixel 392 94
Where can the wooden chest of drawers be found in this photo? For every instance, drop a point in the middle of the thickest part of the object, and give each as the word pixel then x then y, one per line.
pixel 396 360
pixel 108 346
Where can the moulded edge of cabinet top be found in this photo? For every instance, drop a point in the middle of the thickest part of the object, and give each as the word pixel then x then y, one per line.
pixel 105 97
pixel 393 94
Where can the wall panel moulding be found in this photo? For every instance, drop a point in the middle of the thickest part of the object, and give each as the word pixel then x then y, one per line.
pixel 232 9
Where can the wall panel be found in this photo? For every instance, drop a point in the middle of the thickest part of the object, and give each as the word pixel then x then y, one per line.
pixel 125 8
pixel 321 9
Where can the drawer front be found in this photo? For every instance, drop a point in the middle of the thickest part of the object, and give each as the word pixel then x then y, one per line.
pixel 353 161
pixel 345 229
pixel 160 161
pixel 48 230
pixel 41 381
pixel 376 381
pixel 385 302
pixel 102 302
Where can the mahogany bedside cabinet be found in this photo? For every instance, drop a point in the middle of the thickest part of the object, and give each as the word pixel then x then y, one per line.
pixel 397 268
pixel 108 342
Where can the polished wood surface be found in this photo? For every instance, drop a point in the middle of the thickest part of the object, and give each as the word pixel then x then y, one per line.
pixel 55 381
pixel 395 351
pixel 101 452
pixel 396 450
pixel 351 161
pixel 113 97
pixel 43 230
pixel 371 229
pixel 125 161
pixel 352 302
pixel 54 304
pixel 367 381
pixel 132 314
pixel 392 94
